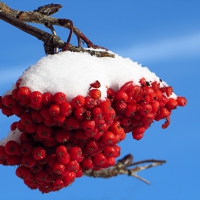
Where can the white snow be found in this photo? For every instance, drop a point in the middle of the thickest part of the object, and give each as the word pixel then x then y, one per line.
pixel 12 135
pixel 72 73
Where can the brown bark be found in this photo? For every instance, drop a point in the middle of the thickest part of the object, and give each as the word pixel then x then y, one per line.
pixel 51 41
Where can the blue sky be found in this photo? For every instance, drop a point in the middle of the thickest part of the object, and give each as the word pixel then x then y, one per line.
pixel 162 35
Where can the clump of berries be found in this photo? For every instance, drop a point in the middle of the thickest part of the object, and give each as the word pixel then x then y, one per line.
pixel 59 140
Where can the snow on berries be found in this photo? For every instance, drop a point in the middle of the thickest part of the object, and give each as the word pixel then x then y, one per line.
pixel 74 109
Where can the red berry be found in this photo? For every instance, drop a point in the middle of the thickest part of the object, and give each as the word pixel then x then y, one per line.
pixel 95 93
pixel 54 109
pixel 172 104
pixel 96 84
pixel 120 106
pixel 51 142
pixel 89 102
pixel 147 119
pixel 18 82
pixel 72 166
pixel 87 164
pixel 155 106
pixel 142 81
pixel 8 101
pixel 36 116
pixel 131 110
pixel 42 175
pixel 28 161
pixel 78 101
pixel 12 148
pixel 59 119
pixel 24 93
pixel 64 159
pixel 182 101
pixel 76 154
pixel 23 172
pixel 18 110
pixel 163 101
pixel 164 112
pixel 44 131
pixel 155 85
pixel 14 160
pixel 49 122
pixel 126 121
pixel 20 126
pixel 109 138
pixel 166 124
pixel 121 96
pixel 138 136
pixel 80 112
pixel 47 98
pixel 66 108
pixel 126 86
pixel 61 150
pixel 13 126
pixel 91 147
pixel 39 153
pixel 51 160
pixel 24 102
pixel 58 168
pixel 15 94
pixel 99 159
pixel 71 123
pixel 59 97
pixel 169 90
pixel 96 113
pixel 110 94
pixel 117 151
pixel 45 113
pixel 138 132
pixel 149 91
pixel 7 111
pixel 62 135
pixel 79 134
pixel 26 119
pixel 105 106
pixel 110 162
pixel 136 91
pixel 58 184
pixel 145 109
pixel 26 148
pixel 36 97
pixel 36 168
pixel 69 178
pixel 109 152
pixel 88 125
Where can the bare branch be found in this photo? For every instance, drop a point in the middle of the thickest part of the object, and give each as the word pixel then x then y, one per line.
pixel 41 16
pixel 122 167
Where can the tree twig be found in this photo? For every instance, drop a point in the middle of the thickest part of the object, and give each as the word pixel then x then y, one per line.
pixel 51 41
pixel 122 167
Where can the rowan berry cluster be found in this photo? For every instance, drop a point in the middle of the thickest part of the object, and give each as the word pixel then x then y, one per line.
pixel 60 140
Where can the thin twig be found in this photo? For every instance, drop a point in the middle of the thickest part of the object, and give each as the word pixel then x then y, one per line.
pixel 122 167
pixel 41 16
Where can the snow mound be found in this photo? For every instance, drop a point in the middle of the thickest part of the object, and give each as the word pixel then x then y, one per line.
pixel 72 73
